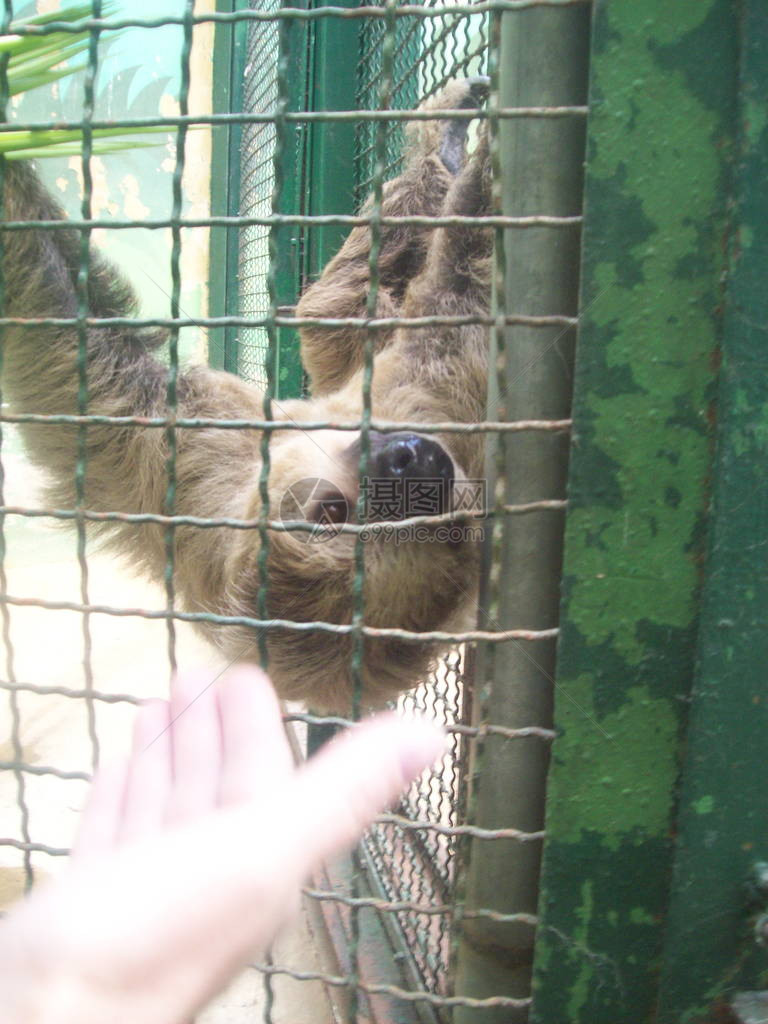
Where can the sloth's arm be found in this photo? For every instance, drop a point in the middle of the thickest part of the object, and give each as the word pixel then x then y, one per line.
pixel 455 278
pixel 445 365
pixel 125 466
pixel 331 355
pixel 435 152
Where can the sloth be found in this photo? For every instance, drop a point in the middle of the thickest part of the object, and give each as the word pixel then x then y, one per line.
pixel 425 374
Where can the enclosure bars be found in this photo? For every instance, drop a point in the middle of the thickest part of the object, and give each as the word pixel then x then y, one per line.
pixel 371 302
pixel 543 62
pixel 416 870
pixel 172 614
pixel 82 372
pixel 363 11
pixel 604 844
pixel 13 697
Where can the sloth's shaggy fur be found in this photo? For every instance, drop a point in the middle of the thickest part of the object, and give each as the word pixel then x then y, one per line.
pixel 432 374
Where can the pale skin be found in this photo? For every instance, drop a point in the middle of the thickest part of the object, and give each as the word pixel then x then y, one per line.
pixel 191 854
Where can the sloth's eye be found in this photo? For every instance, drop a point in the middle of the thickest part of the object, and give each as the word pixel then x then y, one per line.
pixel 335 511
pixel 332 509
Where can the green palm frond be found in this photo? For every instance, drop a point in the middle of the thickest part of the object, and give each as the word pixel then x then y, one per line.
pixel 36 60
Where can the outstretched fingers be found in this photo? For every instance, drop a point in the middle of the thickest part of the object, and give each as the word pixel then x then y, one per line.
pixel 255 753
pixel 337 794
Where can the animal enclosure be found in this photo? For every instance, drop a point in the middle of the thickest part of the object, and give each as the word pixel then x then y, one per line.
pixel 585 850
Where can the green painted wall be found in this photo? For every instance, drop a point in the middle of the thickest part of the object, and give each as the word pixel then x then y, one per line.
pixel 660 153
pixel 710 949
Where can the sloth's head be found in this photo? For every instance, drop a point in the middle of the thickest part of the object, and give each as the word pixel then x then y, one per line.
pixel 417 576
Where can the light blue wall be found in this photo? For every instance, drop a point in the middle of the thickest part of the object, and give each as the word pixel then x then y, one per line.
pixel 139 75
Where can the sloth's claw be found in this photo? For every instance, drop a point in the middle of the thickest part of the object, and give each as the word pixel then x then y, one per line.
pixel 452 149
pixel 479 87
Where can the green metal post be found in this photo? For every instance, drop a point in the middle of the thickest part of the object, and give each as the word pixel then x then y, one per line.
pixel 543 62
pixel 659 153
pixel 226 285
pixel 288 373
pixel 711 948
pixel 331 171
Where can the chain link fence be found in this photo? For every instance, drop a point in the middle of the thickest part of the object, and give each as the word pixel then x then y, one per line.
pixel 256 185
pixel 412 867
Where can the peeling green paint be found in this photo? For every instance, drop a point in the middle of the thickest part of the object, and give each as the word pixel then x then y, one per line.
pixel 584 913
pixel 704 805
pixel 639 915
pixel 613 804
pixel 710 951
pixel 755 119
pixel 660 146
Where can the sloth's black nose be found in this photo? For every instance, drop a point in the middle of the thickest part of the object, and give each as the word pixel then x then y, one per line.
pixel 412 456
pixel 421 463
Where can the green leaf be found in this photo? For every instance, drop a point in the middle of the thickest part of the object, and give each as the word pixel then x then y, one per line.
pixel 40 59
pixel 72 14
pixel 62 149
pixel 13 141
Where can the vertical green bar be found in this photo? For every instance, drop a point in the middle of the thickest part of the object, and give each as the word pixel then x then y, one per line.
pixel 542 60
pixel 658 164
pixel 331 144
pixel 723 828
pixel 230 58
pixel 288 238
pixel 230 45
pixel 16 747
pixel 331 181
pixel 83 311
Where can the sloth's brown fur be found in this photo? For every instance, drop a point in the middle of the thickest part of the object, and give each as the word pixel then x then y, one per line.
pixel 425 375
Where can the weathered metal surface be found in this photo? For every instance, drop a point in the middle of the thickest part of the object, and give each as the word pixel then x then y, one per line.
pixel 712 948
pixel 230 44
pixel 659 152
pixel 542 61
pixel 285 268
pixel 331 170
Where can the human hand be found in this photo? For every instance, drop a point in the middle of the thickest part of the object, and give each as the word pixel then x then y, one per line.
pixel 191 854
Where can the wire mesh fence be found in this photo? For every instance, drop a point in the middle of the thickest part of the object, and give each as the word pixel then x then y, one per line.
pixel 256 185
pixel 420 868
pixel 414 868
pixel 427 54
pixel 411 868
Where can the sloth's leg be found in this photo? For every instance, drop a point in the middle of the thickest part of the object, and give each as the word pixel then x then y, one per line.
pixel 435 153
pixel 125 466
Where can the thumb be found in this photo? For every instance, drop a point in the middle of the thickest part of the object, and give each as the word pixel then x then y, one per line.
pixel 339 792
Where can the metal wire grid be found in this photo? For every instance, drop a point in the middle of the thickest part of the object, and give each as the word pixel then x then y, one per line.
pixel 436 838
pixel 404 94
pixel 426 55
pixel 421 868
